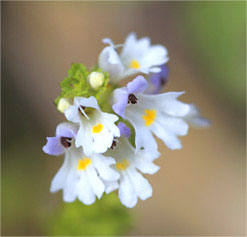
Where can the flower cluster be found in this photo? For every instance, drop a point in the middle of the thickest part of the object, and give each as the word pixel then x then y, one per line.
pixel 108 138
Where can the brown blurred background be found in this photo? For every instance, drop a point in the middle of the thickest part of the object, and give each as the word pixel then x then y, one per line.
pixel 199 190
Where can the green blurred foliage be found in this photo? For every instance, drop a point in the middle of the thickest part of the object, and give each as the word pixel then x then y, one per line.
pixel 105 217
pixel 218 33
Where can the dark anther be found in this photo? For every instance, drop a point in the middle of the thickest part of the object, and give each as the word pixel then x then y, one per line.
pixel 132 99
pixel 66 141
pixel 114 143
pixel 163 81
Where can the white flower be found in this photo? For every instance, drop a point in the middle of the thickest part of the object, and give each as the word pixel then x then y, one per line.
pixel 132 185
pixel 136 56
pixel 162 114
pixel 110 62
pixel 83 177
pixel 97 129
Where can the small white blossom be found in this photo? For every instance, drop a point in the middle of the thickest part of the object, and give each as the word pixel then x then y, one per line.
pixel 83 177
pixel 162 114
pixel 96 129
pixel 132 185
pixel 137 56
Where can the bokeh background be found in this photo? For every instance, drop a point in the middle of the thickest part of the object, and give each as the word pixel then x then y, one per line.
pixel 199 190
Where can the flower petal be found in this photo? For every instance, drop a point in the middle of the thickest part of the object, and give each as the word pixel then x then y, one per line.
pixel 87 102
pixel 72 114
pixel 124 130
pixel 60 178
pixel 121 102
pixel 138 85
pixel 66 130
pixel 102 165
pixel 84 190
pixel 53 146
pixel 126 192
pixel 96 183
pixel 142 187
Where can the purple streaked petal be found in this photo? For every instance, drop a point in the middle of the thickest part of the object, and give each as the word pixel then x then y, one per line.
pixel 124 130
pixel 53 146
pixel 138 85
pixel 66 130
pixel 158 80
pixel 121 96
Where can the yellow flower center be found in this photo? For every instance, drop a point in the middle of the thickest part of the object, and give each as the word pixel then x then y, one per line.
pixel 134 64
pixel 83 163
pixel 122 165
pixel 98 128
pixel 149 117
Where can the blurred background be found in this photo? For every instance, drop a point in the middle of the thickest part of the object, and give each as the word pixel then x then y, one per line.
pixel 199 190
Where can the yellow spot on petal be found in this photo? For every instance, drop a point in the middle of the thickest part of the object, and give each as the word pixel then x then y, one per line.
pixel 122 165
pixel 98 128
pixel 149 117
pixel 134 64
pixel 83 163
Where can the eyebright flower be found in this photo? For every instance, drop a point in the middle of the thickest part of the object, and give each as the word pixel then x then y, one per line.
pixel 83 177
pixel 137 56
pixel 100 156
pixel 65 133
pixel 132 185
pixel 96 129
pixel 162 114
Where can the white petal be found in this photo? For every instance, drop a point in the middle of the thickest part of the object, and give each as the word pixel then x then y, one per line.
pixel 60 177
pixel 175 125
pixel 141 185
pixel 84 190
pixel 96 183
pixel 109 121
pixel 167 137
pixel 72 114
pixel 87 102
pixel 69 191
pixel 156 55
pixel 167 103
pixel 143 136
pixel 70 129
pixel 102 165
pixel 102 141
pixel 146 167
pixel 110 62
pixel 126 192
pixel 84 138
pixel 110 186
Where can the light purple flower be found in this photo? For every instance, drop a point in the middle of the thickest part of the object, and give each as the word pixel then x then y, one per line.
pixel 158 80
pixel 57 145
pixel 125 95
pixel 124 130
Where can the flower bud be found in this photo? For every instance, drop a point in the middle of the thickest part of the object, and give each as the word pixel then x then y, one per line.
pixel 96 79
pixel 63 104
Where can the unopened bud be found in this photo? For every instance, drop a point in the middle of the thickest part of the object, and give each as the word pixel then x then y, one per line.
pixel 63 104
pixel 96 79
